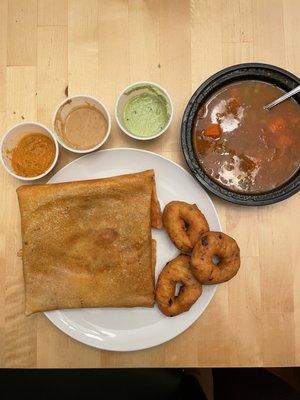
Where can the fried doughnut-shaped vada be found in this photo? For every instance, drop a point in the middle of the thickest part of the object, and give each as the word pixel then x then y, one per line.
pixel 184 223
pixel 177 271
pixel 215 258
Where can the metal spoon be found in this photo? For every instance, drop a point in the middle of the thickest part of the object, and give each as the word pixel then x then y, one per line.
pixel 282 98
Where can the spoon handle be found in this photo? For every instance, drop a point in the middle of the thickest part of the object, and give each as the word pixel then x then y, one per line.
pixel 282 98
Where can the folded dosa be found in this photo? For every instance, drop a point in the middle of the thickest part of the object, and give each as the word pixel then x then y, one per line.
pixel 88 243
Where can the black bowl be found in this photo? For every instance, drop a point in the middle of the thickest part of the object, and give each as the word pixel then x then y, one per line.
pixel 263 72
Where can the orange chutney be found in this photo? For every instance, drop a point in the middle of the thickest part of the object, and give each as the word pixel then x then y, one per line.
pixel 33 155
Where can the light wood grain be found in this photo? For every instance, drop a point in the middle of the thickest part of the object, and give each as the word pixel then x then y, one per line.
pixel 83 47
pixel 21 32
pixel 98 47
pixel 3 52
pixel 52 12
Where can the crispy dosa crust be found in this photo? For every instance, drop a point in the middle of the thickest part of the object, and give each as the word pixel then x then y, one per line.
pixel 88 243
pixel 156 215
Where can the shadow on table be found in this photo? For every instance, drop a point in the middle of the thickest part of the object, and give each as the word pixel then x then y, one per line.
pixel 154 384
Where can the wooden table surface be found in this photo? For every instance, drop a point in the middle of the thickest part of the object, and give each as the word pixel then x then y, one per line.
pixel 51 47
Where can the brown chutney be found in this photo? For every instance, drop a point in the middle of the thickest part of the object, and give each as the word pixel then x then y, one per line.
pixel 241 145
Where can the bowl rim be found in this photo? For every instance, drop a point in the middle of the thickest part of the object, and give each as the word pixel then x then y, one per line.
pixel 59 139
pixel 124 130
pixel 280 193
pixel 27 178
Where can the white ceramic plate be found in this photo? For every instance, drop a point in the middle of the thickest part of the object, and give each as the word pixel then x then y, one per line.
pixel 126 329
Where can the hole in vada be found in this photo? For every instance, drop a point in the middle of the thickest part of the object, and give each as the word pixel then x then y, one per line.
pixel 216 259
pixel 178 288
pixel 185 226
pixel 204 241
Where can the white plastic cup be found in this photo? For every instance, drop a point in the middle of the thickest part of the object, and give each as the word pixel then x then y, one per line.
pixel 13 136
pixel 123 99
pixel 64 109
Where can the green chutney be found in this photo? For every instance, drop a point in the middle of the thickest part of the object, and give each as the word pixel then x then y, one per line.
pixel 147 113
